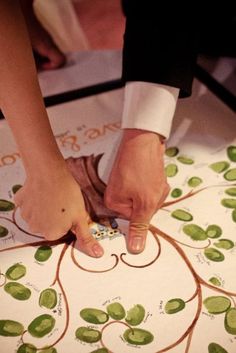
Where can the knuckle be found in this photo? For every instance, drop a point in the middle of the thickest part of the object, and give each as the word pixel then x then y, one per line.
pixel 166 192
pixel 139 228
pixel 108 200
pixel 149 204
pixel 33 228
pixel 152 203
pixel 87 239
pixel 23 214
pixel 62 233
pixel 47 236
pixel 53 235
pixel 167 188
pixel 17 198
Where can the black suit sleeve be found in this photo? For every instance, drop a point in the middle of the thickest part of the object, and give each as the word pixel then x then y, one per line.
pixel 159 45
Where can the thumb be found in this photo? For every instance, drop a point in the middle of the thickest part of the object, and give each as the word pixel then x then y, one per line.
pixel 86 242
pixel 138 229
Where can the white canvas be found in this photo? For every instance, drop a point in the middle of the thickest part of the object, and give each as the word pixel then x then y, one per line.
pixel 169 286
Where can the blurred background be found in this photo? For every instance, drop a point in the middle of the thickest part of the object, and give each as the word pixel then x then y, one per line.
pixel 95 25
pixel 82 24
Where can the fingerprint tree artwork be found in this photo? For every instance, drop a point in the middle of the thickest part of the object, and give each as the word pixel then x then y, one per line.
pixel 214 247
pixel 217 247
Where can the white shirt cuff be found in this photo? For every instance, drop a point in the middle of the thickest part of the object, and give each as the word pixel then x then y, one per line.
pixel 149 106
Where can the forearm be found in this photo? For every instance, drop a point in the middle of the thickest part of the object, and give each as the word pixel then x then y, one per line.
pixel 20 96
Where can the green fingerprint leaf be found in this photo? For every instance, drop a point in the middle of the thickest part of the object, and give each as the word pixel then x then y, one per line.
pixel 194 182
pixel 94 316
pixel 17 290
pixel 230 321
pixel 219 167
pixel 214 255
pixel 229 203
pixel 43 253
pixel 138 336
pixel 172 151
pixel 101 350
pixel 217 304
pixel 27 348
pixel 213 231
pixel 88 335
pixel 195 232
pixel 176 192
pixel 15 188
pixel 11 328
pixel 171 170
pixel 116 311
pixel 48 298
pixel 174 305
pixel 234 215
pixel 6 206
pixel 182 215
pixel 49 350
pixel 224 244
pixel 135 315
pixel 41 325
pixel 16 272
pixel 231 191
pixel 231 152
pixel 230 175
pixel 216 348
pixel 215 281
pixel 3 232
pixel 185 160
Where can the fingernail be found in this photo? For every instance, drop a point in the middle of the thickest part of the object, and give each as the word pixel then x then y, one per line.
pixel 97 250
pixel 136 244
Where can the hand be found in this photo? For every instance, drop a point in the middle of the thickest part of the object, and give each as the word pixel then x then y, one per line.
pixel 52 204
pixel 47 55
pixel 137 186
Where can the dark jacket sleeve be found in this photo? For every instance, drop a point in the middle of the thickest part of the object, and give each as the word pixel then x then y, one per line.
pixel 159 45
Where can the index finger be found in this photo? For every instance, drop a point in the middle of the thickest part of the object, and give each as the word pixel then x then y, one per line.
pixel 138 229
pixel 86 242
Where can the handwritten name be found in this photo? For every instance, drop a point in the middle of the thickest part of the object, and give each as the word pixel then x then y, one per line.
pixel 201 259
pixel 59 305
pixel 33 286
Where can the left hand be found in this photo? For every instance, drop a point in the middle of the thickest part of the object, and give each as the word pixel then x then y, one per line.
pixel 137 186
pixel 52 203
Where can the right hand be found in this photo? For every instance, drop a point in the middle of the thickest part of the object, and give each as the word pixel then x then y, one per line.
pixel 137 186
pixel 52 204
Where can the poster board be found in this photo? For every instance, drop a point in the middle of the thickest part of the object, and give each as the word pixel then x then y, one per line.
pixel 178 295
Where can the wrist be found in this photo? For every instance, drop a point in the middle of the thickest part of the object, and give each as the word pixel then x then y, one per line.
pixel 133 133
pixel 45 165
pixel 141 142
